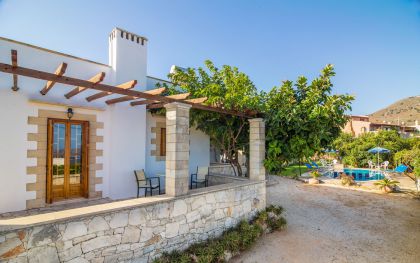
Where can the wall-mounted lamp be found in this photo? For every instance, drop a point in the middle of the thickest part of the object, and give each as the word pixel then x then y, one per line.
pixel 70 113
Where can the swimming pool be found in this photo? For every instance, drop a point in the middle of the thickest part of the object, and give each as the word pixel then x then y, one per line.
pixel 364 174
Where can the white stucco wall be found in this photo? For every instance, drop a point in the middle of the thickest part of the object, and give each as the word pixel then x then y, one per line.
pixel 199 149
pixel 127 148
pixel 13 148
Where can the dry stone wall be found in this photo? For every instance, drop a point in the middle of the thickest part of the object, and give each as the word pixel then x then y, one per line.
pixel 137 234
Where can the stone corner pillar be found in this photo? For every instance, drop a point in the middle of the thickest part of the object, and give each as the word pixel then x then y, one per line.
pixel 177 148
pixel 256 149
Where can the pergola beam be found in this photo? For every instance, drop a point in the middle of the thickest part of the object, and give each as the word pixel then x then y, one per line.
pixel 142 102
pixel 127 98
pixel 180 96
pixel 127 85
pixel 32 73
pixel 161 105
pixel 14 64
pixel 197 100
pixel 50 83
pixel 98 78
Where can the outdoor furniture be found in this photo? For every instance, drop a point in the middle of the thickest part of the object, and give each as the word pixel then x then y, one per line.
pixel 378 150
pixel 315 164
pixel 200 177
pixel 385 165
pixel 371 165
pixel 401 168
pixel 146 183
pixel 309 166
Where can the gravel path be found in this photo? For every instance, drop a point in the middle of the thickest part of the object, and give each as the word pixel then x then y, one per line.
pixel 339 225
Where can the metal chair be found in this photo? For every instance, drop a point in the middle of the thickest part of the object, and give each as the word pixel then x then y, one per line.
pixel 146 183
pixel 200 177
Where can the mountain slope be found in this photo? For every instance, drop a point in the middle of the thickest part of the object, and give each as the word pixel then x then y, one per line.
pixel 406 110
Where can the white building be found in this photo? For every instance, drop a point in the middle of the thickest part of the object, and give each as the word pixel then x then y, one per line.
pixel 45 157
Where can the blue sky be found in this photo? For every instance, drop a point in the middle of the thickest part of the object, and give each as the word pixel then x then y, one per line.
pixel 374 44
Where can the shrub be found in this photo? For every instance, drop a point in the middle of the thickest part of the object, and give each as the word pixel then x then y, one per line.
pixel 232 241
pixel 387 184
pixel 315 174
pixel 347 180
pixel 354 151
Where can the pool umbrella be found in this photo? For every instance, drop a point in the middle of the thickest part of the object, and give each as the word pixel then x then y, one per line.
pixel 378 150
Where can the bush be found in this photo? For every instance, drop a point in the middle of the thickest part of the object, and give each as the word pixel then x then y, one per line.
pixel 315 174
pixel 353 151
pixel 232 241
pixel 387 184
pixel 347 180
pixel 417 166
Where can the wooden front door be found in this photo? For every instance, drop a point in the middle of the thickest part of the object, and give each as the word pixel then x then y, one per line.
pixel 67 160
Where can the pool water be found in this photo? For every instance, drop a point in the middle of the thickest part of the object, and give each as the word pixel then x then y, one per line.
pixel 364 174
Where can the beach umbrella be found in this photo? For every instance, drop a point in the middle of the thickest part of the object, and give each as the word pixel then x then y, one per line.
pixel 378 150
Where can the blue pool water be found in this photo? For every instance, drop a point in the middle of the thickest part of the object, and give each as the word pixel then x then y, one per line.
pixel 364 174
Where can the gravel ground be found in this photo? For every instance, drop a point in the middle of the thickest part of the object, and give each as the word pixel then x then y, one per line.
pixel 338 225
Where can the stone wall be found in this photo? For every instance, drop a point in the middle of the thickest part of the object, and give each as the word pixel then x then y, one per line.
pixel 224 179
pixel 137 233
pixel 224 169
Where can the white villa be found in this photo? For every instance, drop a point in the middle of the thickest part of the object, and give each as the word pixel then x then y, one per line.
pixel 73 131
pixel 119 138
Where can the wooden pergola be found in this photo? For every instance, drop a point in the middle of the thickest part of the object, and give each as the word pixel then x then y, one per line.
pixel 153 99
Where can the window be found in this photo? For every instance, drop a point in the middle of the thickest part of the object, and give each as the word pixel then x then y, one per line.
pixel 162 141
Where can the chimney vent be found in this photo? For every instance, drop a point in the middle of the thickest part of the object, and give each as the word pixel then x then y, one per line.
pixel 128 35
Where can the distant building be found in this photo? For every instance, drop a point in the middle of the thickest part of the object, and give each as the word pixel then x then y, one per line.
pixel 359 124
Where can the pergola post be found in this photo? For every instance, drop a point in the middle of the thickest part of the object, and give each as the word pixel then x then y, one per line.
pixel 256 149
pixel 177 148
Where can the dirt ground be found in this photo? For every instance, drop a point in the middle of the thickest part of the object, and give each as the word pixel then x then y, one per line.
pixel 338 225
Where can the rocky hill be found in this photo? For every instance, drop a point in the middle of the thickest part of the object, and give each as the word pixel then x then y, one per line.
pixel 406 110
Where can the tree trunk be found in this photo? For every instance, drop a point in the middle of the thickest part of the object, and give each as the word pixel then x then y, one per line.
pixel 300 172
pixel 236 163
pixel 233 167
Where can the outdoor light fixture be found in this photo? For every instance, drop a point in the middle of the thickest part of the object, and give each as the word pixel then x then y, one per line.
pixel 70 113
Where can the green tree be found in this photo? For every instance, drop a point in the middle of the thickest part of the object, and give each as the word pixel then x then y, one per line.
pixel 354 151
pixel 226 88
pixel 302 118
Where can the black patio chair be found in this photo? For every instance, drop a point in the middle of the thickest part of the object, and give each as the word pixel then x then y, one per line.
pixel 146 183
pixel 200 177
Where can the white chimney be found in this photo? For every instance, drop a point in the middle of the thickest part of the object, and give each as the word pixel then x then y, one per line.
pixel 128 57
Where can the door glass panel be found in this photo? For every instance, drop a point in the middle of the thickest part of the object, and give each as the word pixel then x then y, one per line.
pixel 58 154
pixel 75 158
